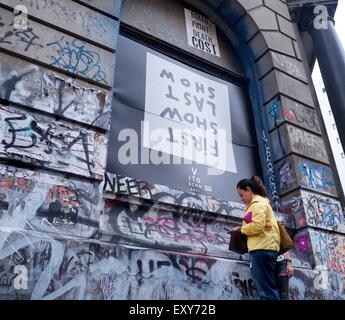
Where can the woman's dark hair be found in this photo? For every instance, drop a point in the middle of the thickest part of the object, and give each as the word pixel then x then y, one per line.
pixel 254 183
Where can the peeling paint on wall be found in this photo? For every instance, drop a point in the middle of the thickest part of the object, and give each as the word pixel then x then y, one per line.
pixel 329 250
pixel 58 145
pixel 52 92
pixel 72 270
pixel 44 202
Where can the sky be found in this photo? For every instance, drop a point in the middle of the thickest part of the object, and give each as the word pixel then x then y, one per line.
pixel 340 27
pixel 340 21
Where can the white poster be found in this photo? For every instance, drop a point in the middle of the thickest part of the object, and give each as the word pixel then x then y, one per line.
pixel 187 115
pixel 201 33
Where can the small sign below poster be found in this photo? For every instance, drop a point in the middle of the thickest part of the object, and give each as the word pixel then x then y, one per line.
pixel 201 33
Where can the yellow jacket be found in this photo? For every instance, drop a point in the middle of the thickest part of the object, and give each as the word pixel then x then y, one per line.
pixel 260 225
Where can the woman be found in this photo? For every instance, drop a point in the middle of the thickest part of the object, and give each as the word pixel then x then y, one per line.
pixel 260 225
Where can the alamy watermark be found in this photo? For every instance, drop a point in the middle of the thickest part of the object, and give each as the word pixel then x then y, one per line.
pixel 20 282
pixel 20 21
pixel 174 146
pixel 328 281
pixel 321 18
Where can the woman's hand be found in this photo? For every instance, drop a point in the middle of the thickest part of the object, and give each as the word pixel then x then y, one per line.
pixel 289 269
pixel 234 229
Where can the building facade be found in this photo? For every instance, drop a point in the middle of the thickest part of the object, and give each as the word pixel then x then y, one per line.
pixel 125 128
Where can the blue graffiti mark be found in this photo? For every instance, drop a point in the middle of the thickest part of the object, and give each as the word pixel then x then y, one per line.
pixel 270 172
pixel 273 112
pixel 323 212
pixel 331 214
pixel 73 57
pixel 316 177
pixel 324 254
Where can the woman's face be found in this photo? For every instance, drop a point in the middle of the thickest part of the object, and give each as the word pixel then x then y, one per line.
pixel 245 195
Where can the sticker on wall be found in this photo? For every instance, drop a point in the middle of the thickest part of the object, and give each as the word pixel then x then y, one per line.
pixel 187 115
pixel 201 33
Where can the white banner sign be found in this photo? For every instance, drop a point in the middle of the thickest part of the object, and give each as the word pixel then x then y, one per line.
pixel 187 115
pixel 201 33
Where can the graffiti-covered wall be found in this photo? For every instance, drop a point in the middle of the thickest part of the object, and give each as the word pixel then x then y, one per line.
pixel 70 229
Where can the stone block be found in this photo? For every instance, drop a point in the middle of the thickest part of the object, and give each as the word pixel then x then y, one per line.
pixel 75 18
pixel 283 109
pixel 43 89
pixel 294 172
pixel 43 141
pixel 57 49
pixel 285 26
pixel 111 7
pixel 290 139
pixel 49 203
pixel 282 62
pixel 277 82
pixel 279 7
pixel 314 210
pixel 328 250
pixel 271 40
pixel 257 19
pixel 250 4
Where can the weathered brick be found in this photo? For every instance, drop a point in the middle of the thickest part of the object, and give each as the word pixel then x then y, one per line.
pixel 41 88
pixel 271 40
pixel 289 138
pixel 58 49
pixel 315 210
pixel 43 141
pixel 285 26
pixel 258 19
pixel 279 7
pixel 277 82
pixel 294 172
pixel 41 191
pixel 282 62
pixel 73 17
pixel 250 4
pixel 285 109
pixel 111 7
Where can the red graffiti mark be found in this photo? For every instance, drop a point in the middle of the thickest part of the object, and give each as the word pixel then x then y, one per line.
pixel 289 115
pixel 6 183
pixel 176 231
pixel 109 203
pixel 22 184
pixel 64 195
pixel 336 265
